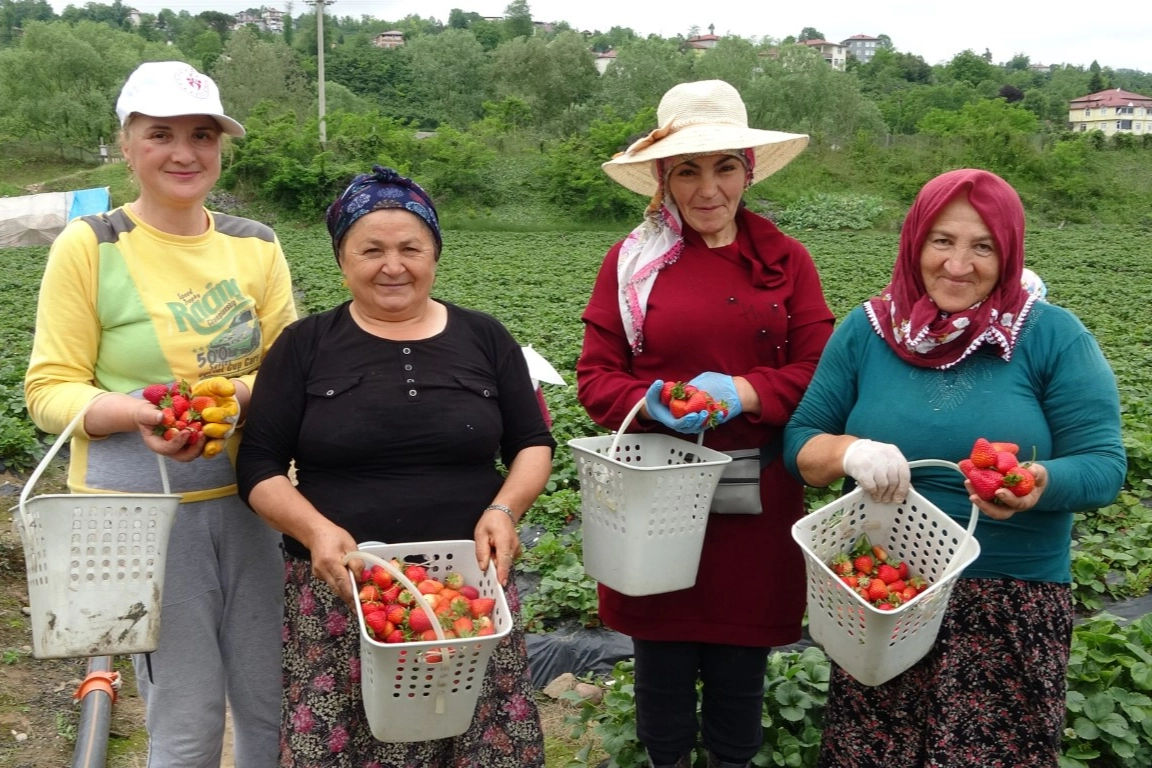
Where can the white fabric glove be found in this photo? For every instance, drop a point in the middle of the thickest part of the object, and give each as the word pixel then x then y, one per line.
pixel 880 469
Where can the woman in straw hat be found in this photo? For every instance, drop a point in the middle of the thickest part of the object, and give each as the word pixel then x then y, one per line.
pixel 705 291
pixel 162 290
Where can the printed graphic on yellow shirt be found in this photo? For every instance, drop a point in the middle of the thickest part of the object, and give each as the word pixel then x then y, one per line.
pixel 229 317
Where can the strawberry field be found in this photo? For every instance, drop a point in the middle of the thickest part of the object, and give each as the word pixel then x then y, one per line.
pixel 538 283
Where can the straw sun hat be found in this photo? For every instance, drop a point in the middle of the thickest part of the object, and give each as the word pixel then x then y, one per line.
pixel 704 116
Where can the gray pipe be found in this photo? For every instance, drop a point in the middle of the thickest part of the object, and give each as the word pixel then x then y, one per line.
pixel 95 719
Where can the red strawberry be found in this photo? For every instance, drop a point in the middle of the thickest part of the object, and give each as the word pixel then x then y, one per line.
pixel 396 636
pixel 842 565
pixel 897 586
pixel 395 613
pixel 482 606
pixel 670 390
pixel 1005 461
pixel 877 590
pixel 167 417
pixel 391 595
pixel 901 569
pixel 863 564
pixel 887 574
pixel 416 573
pixel 983 454
pixel 966 466
pixel 700 401
pixel 1020 481
pixel 1009 447
pixel 170 433
pixel 405 598
pixel 378 624
pixel 194 436
pixel 369 593
pixel 203 401
pixel 180 404
pixel 469 592
pixel 429 587
pixel 367 608
pixel 678 408
pixel 985 482
pixel 381 577
pixel 154 393
pixel 463 627
pixel 418 620
pixel 460 606
pixel 909 593
pixel 851 580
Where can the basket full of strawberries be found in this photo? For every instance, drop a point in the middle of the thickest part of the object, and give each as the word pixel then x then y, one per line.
pixel 879 577
pixel 429 621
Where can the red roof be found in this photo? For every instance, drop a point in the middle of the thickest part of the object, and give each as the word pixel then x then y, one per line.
pixel 703 37
pixel 1114 97
pixel 863 37
pixel 820 42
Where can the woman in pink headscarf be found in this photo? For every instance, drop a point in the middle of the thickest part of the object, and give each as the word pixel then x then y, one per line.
pixel 953 349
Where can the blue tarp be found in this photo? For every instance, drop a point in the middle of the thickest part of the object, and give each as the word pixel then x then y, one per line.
pixel 88 201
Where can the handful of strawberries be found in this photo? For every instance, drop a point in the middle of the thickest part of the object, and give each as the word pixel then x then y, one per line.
pixel 992 466
pixel 683 398
pixel 207 411
pixel 392 614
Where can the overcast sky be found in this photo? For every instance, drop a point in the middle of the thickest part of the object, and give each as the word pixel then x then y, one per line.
pixel 1116 33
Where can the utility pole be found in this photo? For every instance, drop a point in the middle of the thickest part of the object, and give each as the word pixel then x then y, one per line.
pixel 319 5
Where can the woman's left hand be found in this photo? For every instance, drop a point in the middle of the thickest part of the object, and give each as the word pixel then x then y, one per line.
pixel 497 540
pixel 1007 503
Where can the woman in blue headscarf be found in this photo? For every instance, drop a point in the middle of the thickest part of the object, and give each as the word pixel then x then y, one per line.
pixel 393 406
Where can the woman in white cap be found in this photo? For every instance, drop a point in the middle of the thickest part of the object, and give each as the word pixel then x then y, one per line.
pixel 155 291
pixel 707 292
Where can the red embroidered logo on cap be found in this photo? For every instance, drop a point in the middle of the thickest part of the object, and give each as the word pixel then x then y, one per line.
pixel 193 84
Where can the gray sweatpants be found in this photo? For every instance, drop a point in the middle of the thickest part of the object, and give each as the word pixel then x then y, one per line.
pixel 220 636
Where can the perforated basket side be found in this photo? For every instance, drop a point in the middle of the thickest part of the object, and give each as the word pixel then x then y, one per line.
pixel 409 695
pixel 644 515
pixel 95 567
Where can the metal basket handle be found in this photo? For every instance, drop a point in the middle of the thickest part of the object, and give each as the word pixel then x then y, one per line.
pixel 61 439
pixel 975 518
pixel 628 420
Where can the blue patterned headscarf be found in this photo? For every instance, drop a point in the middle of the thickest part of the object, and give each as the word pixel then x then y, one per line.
pixel 381 189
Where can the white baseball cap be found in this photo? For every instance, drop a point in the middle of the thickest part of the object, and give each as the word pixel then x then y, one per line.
pixel 173 89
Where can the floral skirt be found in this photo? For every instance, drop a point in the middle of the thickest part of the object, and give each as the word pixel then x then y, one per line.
pixel 323 724
pixel 990 693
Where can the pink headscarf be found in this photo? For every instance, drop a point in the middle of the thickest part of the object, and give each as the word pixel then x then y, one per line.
pixel 905 316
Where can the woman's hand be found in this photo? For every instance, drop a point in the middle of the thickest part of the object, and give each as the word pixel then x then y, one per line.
pixel 147 416
pixel 1007 503
pixel 497 540
pixel 327 547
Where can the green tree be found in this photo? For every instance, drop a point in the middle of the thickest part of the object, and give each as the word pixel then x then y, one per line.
pixel 968 67
pixel 221 22
pixel 252 70
pixel 996 135
pixel 207 49
pixel 518 20
pixel 733 60
pixel 810 33
pixel 60 82
pixel 642 72
pixel 449 77
pixel 1096 81
pixel 800 93
pixel 14 14
pixel 381 75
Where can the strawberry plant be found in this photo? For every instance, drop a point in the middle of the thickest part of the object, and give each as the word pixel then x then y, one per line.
pixel 564 590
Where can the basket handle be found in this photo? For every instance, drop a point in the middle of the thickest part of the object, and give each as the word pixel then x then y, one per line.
pixel 975 518
pixel 628 420
pixel 59 442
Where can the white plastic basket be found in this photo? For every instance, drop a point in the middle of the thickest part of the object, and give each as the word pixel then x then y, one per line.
pixel 644 502
pixel 95 565
pixel 408 694
pixel 871 645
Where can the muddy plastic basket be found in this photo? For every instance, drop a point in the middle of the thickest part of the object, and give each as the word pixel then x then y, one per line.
pixel 871 645
pixel 644 502
pixel 427 690
pixel 95 565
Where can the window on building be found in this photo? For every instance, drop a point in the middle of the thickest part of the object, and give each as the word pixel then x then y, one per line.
pixel 1136 127
pixel 1124 110
pixel 1103 111
pixel 1124 125
pixel 1087 113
